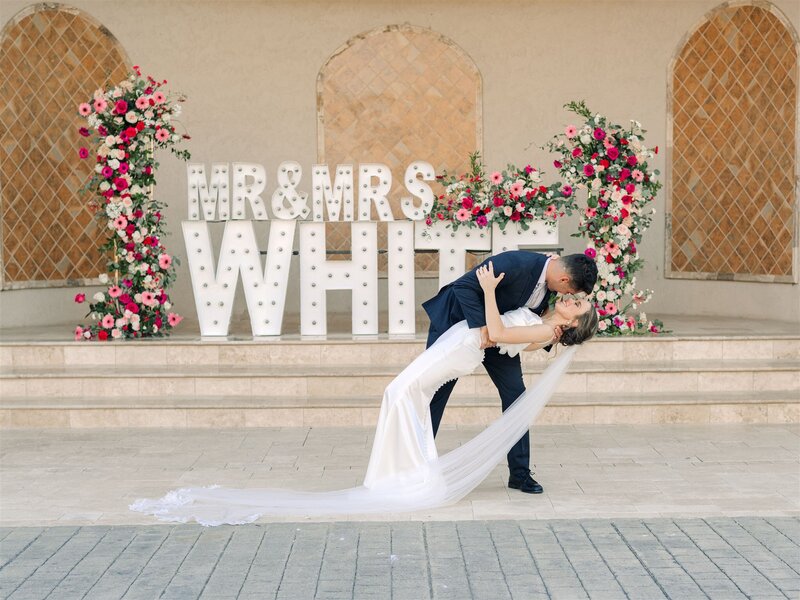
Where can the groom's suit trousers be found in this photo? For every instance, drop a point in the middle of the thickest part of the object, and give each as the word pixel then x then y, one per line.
pixel 506 373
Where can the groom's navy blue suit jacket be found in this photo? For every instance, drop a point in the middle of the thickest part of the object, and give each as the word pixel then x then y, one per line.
pixel 463 298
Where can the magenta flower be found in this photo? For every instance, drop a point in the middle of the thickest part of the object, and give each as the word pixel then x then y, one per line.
pixel 83 153
pixel 123 168
pixel 632 161
pixel 120 183
pixel 566 190
pixel 133 307
pixel 588 170
pixel 121 107
pixel 577 152
pixel 107 172
pixel 80 298
pixel 556 164
pixel 599 134
pixel 481 221
pixel 612 153
pixel 624 174
pixel 83 131
pixel 466 202
pixel 529 169
pixel 590 252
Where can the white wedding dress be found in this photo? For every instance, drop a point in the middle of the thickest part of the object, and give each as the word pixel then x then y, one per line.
pixel 405 472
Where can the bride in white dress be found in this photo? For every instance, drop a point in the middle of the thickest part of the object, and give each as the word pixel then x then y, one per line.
pixel 405 472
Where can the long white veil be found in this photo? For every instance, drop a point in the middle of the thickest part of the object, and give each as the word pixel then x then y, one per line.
pixel 443 481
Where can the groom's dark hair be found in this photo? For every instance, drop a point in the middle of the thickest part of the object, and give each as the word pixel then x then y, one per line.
pixel 582 271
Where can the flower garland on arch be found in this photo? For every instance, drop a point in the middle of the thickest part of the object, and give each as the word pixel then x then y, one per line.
pixel 514 195
pixel 610 163
pixel 128 123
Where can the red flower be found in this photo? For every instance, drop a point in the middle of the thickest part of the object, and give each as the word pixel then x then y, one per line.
pixel 656 150
pixel 605 163
pixel 131 131
pixel 632 161
pixel 132 306
pixel 577 152
pixel 623 142
pixel 609 258
pixel 588 170
pixel 497 201
pixel 102 335
pixel 139 125
pixel 121 107
pixel 556 164
pixel 612 153
pixel 515 216
pixel 80 298
pixel 83 131
pixel 626 199
pixel 467 203
pixel 120 183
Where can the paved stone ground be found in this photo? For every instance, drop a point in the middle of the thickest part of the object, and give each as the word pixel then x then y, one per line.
pixel 725 558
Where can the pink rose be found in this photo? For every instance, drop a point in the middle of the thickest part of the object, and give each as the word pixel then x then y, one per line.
pixel 588 170
pixel 566 190
pixel 612 153
pixel 577 152
pixel 121 107
pixel 632 161
pixel 630 188
pixel 590 212
pixel 80 298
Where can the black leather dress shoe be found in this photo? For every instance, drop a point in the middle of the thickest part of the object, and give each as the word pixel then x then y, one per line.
pixel 528 485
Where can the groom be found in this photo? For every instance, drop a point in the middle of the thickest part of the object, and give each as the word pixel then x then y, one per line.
pixel 530 279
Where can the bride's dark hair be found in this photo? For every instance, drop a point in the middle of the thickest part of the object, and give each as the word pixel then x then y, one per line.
pixel 584 330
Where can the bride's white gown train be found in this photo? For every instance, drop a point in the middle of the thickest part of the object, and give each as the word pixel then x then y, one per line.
pixel 405 472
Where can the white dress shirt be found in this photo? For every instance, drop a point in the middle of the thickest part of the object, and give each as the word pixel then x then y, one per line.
pixel 539 290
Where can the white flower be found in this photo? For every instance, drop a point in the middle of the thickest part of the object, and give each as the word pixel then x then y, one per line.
pixel 103 278
pixel 99 297
pixel 104 185
pixel 131 117
pixel 507 210
pixel 113 163
pixel 586 139
pixel 148 114
pixel 167 305
pixel 137 237
pixel 601 296
pixel 119 153
pixel 111 141
pixel 596 183
pixel 93 121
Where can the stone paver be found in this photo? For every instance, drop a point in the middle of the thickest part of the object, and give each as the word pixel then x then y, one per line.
pixel 726 558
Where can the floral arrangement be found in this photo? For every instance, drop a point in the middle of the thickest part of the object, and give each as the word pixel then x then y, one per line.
pixel 511 196
pixel 126 124
pixel 610 162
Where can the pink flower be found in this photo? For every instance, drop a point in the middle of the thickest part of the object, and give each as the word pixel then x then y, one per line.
pixel 84 109
pixel 529 169
pixel 120 222
pixel 78 333
pixel 566 190
pixel 611 308
pixel 100 105
pixel 116 333
pixel 120 184
pixel 108 321
pixel 571 131
pixel 590 212
pixel 83 131
pixel 577 152
pixel 612 153
pixel 515 189
pixel 107 172
pixel 637 175
pixel 115 291
pixel 173 319
pixel 164 261
pixel 121 107
pixel 618 321
pixel 123 168
pixel 142 103
pixel 162 134
pixel 588 170
pixel 148 299
pixel 496 177
pixel 612 249
pixel 632 161
pixel 481 221
pixel 159 97
pixel 550 211
pixel 599 134
pixel 466 202
pixel 557 164
pixel 80 298
pixel 630 188
pixel 590 252
pixel 83 153
pixel 463 214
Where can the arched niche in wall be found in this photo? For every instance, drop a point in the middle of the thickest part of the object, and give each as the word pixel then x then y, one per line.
pixel 393 95
pixel 52 57
pixel 733 157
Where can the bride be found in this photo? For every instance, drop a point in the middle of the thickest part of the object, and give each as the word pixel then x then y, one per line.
pixel 405 471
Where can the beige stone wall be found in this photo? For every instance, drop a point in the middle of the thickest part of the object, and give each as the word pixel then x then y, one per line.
pixel 250 71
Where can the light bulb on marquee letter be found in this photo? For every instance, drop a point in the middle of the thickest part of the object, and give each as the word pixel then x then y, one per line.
pixel 419 189
pixel 332 196
pixel 402 306
pixel 318 275
pixel 369 193
pixel 452 247
pixel 287 202
pixel 204 197
pixel 249 180
pixel 214 291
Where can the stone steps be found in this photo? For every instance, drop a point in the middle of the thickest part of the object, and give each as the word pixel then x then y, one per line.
pixel 298 382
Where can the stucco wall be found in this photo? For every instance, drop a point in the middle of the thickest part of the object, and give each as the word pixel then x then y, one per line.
pixel 249 70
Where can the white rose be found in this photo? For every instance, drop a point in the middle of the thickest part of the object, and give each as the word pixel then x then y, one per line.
pixel 104 185
pixel 596 183
pixel 131 117
pixel 99 297
pixel 167 305
pixel 111 141
pixel 507 210
pixel 137 237
pixel 586 139
pixel 120 153
pixel 113 163
pixel 103 278
pixel 148 114
pixel 601 296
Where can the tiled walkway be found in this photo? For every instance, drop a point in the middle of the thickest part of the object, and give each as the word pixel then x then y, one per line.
pixel 667 511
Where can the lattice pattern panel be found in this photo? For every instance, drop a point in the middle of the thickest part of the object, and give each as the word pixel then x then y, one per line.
pixel 734 148
pixel 395 95
pixel 50 60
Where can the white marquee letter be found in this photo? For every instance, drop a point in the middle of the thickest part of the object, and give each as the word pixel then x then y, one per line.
pixel 317 275
pixel 329 196
pixel 419 189
pixel 402 306
pixel 287 202
pixel 201 199
pixel 249 181
pixel 452 247
pixel 368 193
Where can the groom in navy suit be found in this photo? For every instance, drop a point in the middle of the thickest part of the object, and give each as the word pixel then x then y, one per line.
pixel 530 279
